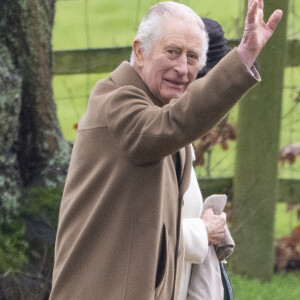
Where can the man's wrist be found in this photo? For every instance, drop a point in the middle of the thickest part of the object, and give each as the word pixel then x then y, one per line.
pixel 246 58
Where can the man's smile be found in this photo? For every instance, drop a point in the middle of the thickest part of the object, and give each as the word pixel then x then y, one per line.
pixel 175 83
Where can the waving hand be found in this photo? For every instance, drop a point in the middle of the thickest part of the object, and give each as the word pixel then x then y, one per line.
pixel 256 31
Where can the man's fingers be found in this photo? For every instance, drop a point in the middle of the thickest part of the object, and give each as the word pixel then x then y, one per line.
pixel 261 4
pixel 217 238
pixel 260 15
pixel 250 2
pixel 274 19
pixel 223 215
pixel 252 11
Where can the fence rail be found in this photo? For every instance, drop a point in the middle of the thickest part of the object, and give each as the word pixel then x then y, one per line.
pixel 288 189
pixel 102 60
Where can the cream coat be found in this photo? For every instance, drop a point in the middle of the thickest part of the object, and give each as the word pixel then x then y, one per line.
pixel 119 224
pixel 194 233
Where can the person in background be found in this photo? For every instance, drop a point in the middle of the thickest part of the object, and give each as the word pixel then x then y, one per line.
pixel 119 232
pixel 198 232
pixel 217 47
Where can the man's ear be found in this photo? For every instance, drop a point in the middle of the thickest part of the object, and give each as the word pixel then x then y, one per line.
pixel 138 53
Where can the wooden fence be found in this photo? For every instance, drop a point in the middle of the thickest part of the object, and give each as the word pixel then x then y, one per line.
pixel 288 189
pixel 102 60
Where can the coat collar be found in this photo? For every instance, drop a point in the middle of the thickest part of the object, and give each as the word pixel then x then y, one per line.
pixel 126 75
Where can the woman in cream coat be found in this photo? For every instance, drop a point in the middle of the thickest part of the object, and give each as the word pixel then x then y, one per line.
pixel 194 228
pixel 194 233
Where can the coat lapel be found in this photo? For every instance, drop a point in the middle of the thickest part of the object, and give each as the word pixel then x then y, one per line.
pixel 186 165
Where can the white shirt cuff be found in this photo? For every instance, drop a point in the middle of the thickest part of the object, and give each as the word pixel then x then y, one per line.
pixel 195 240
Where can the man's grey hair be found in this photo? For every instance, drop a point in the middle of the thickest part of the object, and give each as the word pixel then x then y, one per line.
pixel 150 28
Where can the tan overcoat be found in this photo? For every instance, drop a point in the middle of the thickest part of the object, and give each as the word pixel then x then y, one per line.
pixel 119 224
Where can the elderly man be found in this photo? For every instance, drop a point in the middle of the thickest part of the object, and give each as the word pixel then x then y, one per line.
pixel 119 233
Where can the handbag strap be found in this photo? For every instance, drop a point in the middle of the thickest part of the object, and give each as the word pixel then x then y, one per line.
pixel 228 292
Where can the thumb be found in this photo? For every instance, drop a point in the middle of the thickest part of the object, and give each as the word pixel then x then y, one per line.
pixel 209 211
pixel 274 19
pixel 223 215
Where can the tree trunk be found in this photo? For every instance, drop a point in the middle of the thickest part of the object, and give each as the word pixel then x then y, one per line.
pixel 255 179
pixel 32 148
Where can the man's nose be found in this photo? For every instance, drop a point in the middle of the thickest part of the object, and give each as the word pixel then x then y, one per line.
pixel 182 65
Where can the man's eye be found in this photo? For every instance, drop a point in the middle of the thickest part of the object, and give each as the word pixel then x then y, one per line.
pixel 172 53
pixel 192 58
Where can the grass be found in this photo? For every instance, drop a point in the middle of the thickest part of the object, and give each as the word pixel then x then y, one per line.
pixel 94 23
pixel 283 286
pixel 71 95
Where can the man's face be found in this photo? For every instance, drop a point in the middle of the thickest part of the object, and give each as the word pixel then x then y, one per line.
pixel 173 61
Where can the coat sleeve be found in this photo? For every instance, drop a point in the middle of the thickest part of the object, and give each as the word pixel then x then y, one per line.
pixel 195 240
pixel 147 133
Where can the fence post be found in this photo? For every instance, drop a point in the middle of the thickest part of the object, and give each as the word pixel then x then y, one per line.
pixel 255 179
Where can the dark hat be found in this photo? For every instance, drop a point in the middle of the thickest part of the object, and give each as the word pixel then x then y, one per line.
pixel 217 46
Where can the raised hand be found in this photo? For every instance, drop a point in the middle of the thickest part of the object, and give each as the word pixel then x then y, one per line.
pixel 256 31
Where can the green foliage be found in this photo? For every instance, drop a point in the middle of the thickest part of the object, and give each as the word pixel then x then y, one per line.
pixel 37 204
pixel 283 286
pixel 42 203
pixel 285 221
pixel 13 247
pixel 9 206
